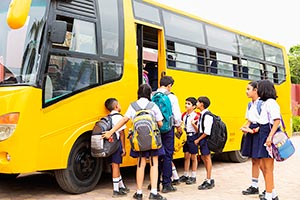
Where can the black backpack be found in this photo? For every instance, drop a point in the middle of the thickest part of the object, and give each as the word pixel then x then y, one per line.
pixel 104 147
pixel 218 135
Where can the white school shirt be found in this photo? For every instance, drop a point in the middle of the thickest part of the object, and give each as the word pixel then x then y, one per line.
pixel 252 114
pixel 115 119
pixel 143 102
pixel 208 121
pixel 187 120
pixel 269 110
pixel 175 107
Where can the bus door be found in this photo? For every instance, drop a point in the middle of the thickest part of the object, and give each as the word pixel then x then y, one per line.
pixel 150 66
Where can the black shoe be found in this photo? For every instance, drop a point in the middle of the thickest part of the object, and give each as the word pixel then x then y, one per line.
pixel 183 178
pixel 119 193
pixel 138 196
pixel 168 188
pixel 124 189
pixel 250 190
pixel 262 195
pixel 175 182
pixel 191 180
pixel 205 185
pixel 157 196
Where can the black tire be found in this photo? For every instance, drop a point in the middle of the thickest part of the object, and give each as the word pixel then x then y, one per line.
pixel 237 157
pixel 8 176
pixel 83 171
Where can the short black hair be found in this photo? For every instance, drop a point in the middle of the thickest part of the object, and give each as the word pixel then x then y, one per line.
pixel 193 100
pixel 145 91
pixel 166 80
pixel 266 90
pixel 110 103
pixel 205 101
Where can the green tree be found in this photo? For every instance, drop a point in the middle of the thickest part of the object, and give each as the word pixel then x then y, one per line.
pixel 294 62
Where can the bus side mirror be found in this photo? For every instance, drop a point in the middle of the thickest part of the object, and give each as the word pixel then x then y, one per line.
pixel 18 13
pixel 58 32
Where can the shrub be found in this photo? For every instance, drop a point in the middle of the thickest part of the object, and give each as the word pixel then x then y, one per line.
pixel 296 123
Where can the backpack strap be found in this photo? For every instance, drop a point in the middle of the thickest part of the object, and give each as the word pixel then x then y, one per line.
pixel 258 106
pixel 202 121
pixel 135 106
pixel 110 115
pixel 149 106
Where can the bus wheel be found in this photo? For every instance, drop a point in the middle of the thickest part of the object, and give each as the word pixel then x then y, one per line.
pixel 83 171
pixel 236 156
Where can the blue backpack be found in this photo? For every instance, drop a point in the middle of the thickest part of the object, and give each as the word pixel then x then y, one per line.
pixel 163 102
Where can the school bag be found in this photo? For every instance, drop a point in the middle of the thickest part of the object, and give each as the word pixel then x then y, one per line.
pixel 102 147
pixel 218 135
pixel 145 134
pixel 162 100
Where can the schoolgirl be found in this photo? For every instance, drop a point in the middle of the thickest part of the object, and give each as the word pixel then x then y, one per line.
pixel 251 139
pixel 144 93
pixel 269 121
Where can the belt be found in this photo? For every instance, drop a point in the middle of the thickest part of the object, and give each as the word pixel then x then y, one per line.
pixel 190 133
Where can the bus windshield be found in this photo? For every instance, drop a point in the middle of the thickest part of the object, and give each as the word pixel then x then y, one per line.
pixel 19 47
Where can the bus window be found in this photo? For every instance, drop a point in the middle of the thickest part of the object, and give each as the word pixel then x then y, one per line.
pixel 272 74
pixel 201 59
pixel 110 27
pixel 68 75
pixel 186 57
pixel 255 70
pixel 213 64
pixel 236 66
pixel 111 71
pixel 245 70
pixel 171 61
pixel 171 56
pixel 80 36
pixel 225 64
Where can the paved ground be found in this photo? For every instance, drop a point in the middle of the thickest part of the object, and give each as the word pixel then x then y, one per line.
pixel 231 179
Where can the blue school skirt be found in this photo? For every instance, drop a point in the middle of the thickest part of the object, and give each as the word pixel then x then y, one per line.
pixel 264 131
pixel 251 143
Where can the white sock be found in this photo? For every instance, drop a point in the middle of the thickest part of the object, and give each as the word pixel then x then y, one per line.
pixel 139 191
pixel 154 191
pixel 174 173
pixel 268 196
pixel 116 184
pixel 186 174
pixel 194 174
pixel 274 194
pixel 121 184
pixel 254 182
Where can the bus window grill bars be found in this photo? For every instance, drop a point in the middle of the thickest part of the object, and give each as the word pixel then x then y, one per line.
pixel 85 8
pixel 210 66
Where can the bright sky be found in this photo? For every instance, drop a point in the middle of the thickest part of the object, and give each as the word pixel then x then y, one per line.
pixel 273 20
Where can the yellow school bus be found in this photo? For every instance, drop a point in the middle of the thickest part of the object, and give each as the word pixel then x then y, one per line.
pixel 61 59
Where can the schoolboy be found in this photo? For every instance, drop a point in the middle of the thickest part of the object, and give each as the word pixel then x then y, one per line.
pixel 165 161
pixel 202 104
pixel 190 149
pixel 119 189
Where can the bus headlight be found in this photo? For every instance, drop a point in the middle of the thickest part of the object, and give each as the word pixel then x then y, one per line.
pixel 8 124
